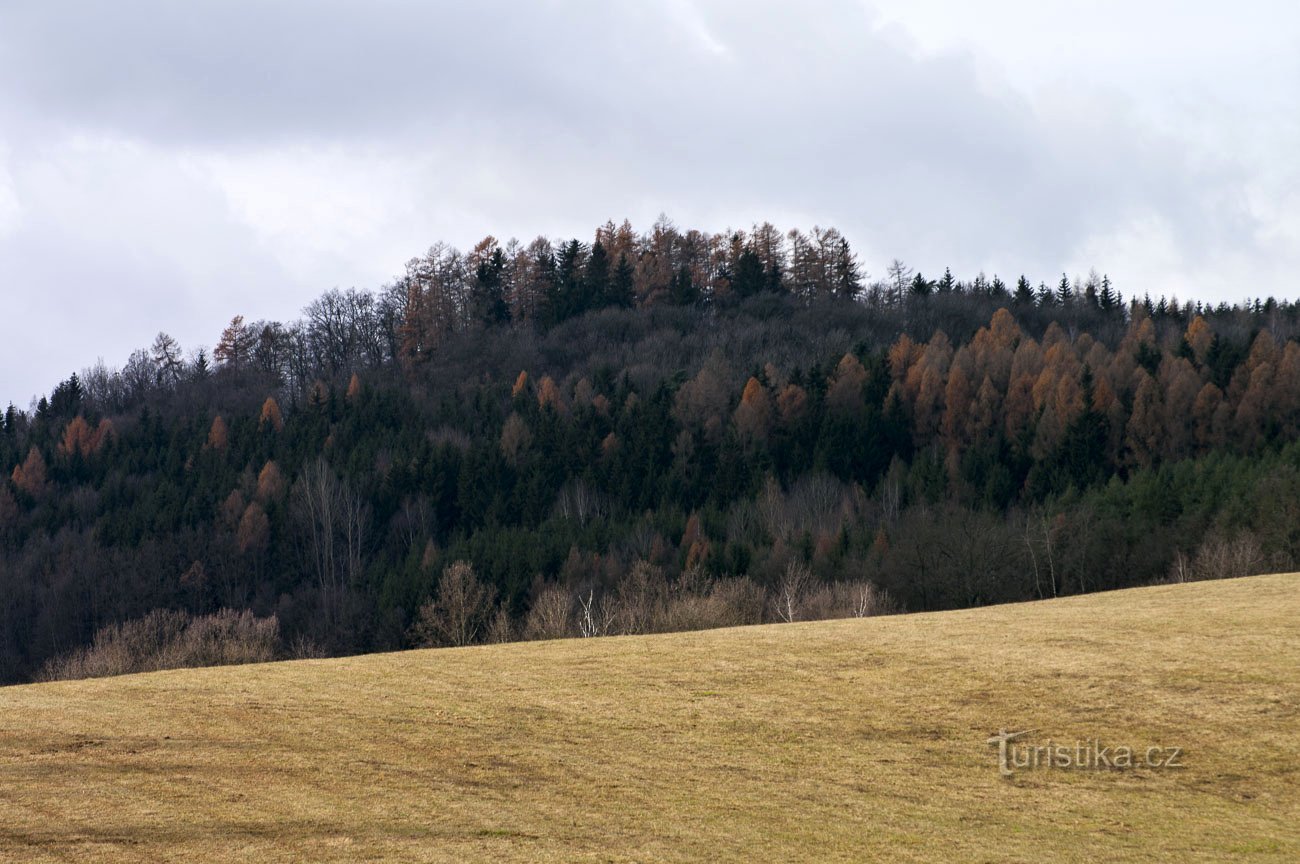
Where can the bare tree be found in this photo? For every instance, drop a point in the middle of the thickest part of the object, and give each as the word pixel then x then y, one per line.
pixel 457 613
pixel 596 615
pixel 333 520
pixel 169 359
pixel 792 591
pixel 551 614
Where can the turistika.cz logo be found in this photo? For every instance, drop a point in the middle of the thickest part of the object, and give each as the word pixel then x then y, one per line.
pixel 1016 754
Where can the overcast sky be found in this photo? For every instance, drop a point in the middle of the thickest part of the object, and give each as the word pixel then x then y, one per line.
pixel 166 165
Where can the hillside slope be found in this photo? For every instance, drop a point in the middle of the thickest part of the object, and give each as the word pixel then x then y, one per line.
pixel 848 740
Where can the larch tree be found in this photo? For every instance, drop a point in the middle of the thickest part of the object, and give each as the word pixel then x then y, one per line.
pixel 218 434
pixel 791 405
pixel 235 347
pixel 270 483
pixel 271 415
pixel 1145 424
pixel 169 358
pixel 521 385
pixel 78 438
pixel 1199 338
pixel 254 532
pixel 30 475
pixel 845 393
pixel 753 416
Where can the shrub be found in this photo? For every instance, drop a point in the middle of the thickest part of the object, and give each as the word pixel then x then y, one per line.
pixel 168 639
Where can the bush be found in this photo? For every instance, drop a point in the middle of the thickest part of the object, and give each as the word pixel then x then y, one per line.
pixel 168 639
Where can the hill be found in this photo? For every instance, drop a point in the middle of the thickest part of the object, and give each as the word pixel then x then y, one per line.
pixel 716 407
pixel 845 740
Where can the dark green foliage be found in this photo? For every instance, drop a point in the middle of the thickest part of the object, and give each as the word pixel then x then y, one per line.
pixel 609 462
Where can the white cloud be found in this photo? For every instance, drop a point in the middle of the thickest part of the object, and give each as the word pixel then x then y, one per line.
pixel 10 207
pixel 170 166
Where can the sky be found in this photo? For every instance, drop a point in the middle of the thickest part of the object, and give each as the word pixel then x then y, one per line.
pixel 165 166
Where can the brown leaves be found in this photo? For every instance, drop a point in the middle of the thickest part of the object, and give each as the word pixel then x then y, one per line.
pixel 753 416
pixel 254 530
pixel 218 435
pixel 521 384
pixel 30 475
pixel 80 439
pixel 270 483
pixel 271 415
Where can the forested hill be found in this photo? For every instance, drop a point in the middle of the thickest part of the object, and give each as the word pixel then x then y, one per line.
pixel 649 431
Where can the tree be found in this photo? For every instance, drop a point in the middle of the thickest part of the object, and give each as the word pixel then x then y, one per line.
pixel 748 278
pixel 169 359
pixel 235 347
pixel 332 522
pixel 683 290
pixel 271 415
pixel 30 475
pixel 753 415
pixel 218 434
pixel 78 438
pixel 488 292
pixel 846 274
pixel 1024 296
pixel 791 592
pixel 1199 338
pixel 270 483
pixel 900 278
pixel 845 393
pixel 622 286
pixel 596 279
pixel 254 531
pixel 458 612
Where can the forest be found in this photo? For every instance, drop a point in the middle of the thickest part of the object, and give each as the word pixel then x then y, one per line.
pixel 647 431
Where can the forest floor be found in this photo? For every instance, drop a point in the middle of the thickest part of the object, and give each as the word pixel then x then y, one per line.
pixel 854 740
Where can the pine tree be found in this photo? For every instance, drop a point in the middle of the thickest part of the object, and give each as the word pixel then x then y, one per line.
pixel 684 291
pixel 1064 293
pixel 748 279
pixel 947 284
pixel 1106 298
pixel 489 288
pixel 621 290
pixel 567 300
pixel 920 287
pixel 1024 296
pixel 846 274
pixel 596 291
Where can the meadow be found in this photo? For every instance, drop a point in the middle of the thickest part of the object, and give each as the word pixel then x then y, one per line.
pixel 853 740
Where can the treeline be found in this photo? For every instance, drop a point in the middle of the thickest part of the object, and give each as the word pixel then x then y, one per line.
pixel 719 411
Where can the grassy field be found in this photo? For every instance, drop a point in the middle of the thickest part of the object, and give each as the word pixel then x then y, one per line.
pixel 834 741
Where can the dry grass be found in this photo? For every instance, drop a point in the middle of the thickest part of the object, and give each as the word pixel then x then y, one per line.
pixel 833 741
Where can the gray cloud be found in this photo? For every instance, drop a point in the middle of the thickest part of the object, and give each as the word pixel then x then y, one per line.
pixel 164 165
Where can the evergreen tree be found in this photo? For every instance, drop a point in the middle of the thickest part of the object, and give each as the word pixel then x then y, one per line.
pixel 684 292
pixel 947 284
pixel 568 299
pixel 749 278
pixel 597 285
pixel 1024 296
pixel 622 285
pixel 1106 298
pixel 920 287
pixel 1064 293
pixel 489 290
